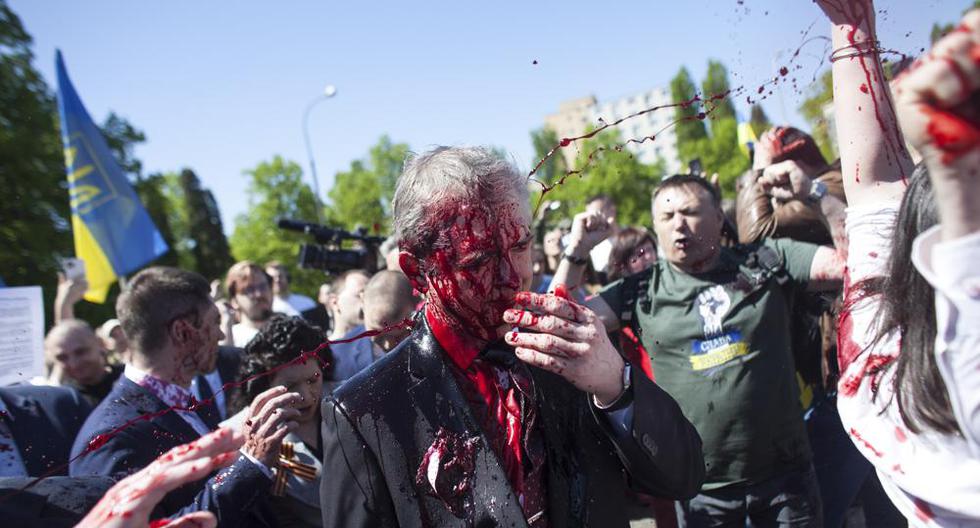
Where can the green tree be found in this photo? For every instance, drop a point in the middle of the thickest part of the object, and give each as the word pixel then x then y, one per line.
pixel 758 120
pixel 35 229
pixel 820 94
pixel 688 128
pixel 361 196
pixel 543 140
pixel 276 190
pixel 212 256
pixel 122 138
pixel 715 84
pixel 613 171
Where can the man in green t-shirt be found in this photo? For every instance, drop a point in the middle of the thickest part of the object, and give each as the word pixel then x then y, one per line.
pixel 715 321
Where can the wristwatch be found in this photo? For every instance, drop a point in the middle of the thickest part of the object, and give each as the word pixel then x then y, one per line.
pixel 578 261
pixel 625 397
pixel 818 190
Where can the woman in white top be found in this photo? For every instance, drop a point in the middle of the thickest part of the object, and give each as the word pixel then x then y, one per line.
pixel 909 335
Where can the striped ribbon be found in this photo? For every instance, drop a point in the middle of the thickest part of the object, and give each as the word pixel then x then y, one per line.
pixel 287 466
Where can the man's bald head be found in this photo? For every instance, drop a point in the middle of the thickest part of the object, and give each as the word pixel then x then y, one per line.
pixel 388 299
pixel 76 351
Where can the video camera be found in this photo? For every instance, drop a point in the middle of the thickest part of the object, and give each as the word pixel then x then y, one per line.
pixel 328 255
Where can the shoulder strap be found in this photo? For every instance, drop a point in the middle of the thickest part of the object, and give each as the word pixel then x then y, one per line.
pixel 636 292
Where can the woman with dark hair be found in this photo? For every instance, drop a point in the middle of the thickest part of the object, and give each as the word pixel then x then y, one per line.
pixel 633 250
pixel 282 354
pixel 909 332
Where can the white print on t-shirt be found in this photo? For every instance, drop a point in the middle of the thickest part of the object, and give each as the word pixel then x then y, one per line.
pixel 713 305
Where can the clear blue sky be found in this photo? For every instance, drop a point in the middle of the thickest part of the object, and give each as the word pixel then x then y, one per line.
pixel 219 86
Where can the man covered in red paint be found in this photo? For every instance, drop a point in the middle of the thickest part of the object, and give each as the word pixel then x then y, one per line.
pixel 503 407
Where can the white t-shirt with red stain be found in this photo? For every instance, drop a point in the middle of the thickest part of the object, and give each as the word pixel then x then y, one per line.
pixel 933 478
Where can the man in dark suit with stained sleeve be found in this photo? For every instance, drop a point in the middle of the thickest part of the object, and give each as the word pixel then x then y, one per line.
pixel 37 427
pixel 174 329
pixel 503 407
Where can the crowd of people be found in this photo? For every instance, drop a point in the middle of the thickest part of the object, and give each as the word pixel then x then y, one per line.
pixel 803 355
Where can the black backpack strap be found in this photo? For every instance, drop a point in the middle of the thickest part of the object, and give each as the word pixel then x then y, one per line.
pixel 636 292
pixel 762 263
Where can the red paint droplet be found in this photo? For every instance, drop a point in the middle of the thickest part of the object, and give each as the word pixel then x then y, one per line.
pixel 565 142
pixel 562 291
pixel 864 88
pixel 873 254
pixel 784 71
pixel 900 434
pixel 701 115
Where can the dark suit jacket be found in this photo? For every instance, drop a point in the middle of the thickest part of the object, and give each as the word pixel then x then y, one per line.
pixel 228 365
pixel 379 425
pixel 52 502
pixel 353 357
pixel 44 422
pixel 234 497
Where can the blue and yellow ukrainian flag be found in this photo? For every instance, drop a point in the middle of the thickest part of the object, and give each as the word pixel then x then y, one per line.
pixel 113 233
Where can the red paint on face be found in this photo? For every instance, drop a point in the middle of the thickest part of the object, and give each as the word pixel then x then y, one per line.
pixel 484 261
pixel 864 88
pixel 952 134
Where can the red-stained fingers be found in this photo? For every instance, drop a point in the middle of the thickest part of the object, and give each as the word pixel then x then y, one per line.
pixel 548 344
pixel 552 305
pixel 551 363
pixel 548 324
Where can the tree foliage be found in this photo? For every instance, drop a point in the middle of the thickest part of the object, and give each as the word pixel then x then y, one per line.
pixel 613 171
pixel 35 229
pixel 718 151
pixel 361 196
pixel 212 256
pixel 820 94
pixel 276 190
pixel 758 120
pixel 543 140
pixel 688 128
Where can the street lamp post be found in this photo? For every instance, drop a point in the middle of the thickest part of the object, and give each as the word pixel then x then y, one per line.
pixel 328 92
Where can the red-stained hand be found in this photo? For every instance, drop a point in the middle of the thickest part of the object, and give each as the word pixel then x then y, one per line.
pixel 785 181
pixel 270 418
pixel 938 105
pixel 936 100
pixel 571 342
pixel 129 503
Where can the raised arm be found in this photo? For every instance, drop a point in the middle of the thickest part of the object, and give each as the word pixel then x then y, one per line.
pixel 874 159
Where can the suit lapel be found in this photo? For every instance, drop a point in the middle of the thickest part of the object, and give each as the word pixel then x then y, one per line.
pixel 441 404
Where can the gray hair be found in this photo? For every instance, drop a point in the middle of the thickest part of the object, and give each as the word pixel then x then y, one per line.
pixel 445 175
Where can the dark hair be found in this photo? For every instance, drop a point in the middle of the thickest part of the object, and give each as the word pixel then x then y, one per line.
pixel 156 297
pixel 284 339
pixel 601 196
pixel 239 274
pixel 908 307
pixel 682 180
pixel 624 244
